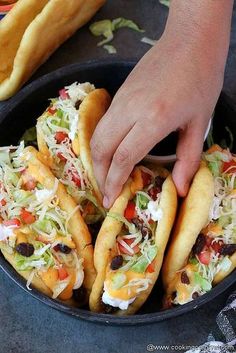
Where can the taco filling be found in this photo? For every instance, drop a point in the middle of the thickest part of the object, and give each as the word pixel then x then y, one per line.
pixel 211 254
pixel 133 256
pixel 58 128
pixel 33 228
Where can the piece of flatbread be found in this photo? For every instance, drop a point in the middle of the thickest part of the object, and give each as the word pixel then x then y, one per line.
pixel 76 226
pixel 32 31
pixel 192 218
pixel 106 240
pixel 90 112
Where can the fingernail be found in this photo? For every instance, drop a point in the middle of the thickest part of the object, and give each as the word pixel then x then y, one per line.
pixel 106 203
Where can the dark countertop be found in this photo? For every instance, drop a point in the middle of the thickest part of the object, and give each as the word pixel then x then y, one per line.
pixel 28 326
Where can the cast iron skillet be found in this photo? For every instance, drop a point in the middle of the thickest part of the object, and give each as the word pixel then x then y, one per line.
pixel 21 113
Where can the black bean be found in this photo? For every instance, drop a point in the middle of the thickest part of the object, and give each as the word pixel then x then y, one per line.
pixel 116 262
pixel 159 181
pixel 228 249
pixel 184 278
pixel 25 249
pixel 77 104
pixel 80 294
pixel 195 295
pixel 146 232
pixel 153 192
pixel 137 223
pixel 143 229
pixel 199 245
pixel 62 248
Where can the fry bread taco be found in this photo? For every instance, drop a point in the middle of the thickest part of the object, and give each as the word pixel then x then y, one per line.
pixel 203 248
pixel 42 233
pixel 32 31
pixel 130 246
pixel 64 132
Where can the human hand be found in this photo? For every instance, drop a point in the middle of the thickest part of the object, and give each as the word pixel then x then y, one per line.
pixel 174 87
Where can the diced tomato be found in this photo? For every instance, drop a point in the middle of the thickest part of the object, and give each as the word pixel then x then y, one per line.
pixel 76 180
pixel 23 171
pixel 52 110
pixel 14 222
pixel 63 94
pixel 208 241
pixel 60 136
pixel 27 217
pixel 229 166
pixel 30 184
pixel 147 178
pixel 130 212
pixel 62 273
pixel 61 157
pixel 3 202
pixel 151 267
pixel 123 250
pixel 217 245
pixel 205 256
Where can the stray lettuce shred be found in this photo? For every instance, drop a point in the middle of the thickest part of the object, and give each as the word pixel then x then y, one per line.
pixel 148 41
pixel 165 2
pixel 110 48
pixel 106 28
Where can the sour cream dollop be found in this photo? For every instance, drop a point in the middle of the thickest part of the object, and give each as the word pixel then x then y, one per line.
pixel 116 302
pixel 155 210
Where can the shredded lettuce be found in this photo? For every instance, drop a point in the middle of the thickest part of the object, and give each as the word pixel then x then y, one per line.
pixel 193 261
pixel 46 225
pixel 142 201
pixel 117 217
pixel 12 177
pixel 202 282
pixel 215 161
pixel 102 28
pixel 215 168
pixel 143 261
pixel 223 221
pixel 5 157
pixel 30 137
pixel 35 261
pixel 225 264
pixel 22 196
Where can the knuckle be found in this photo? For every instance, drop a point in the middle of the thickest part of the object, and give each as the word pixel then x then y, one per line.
pixel 122 156
pixel 98 151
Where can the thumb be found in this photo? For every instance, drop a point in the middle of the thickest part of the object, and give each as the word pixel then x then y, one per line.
pixel 189 150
